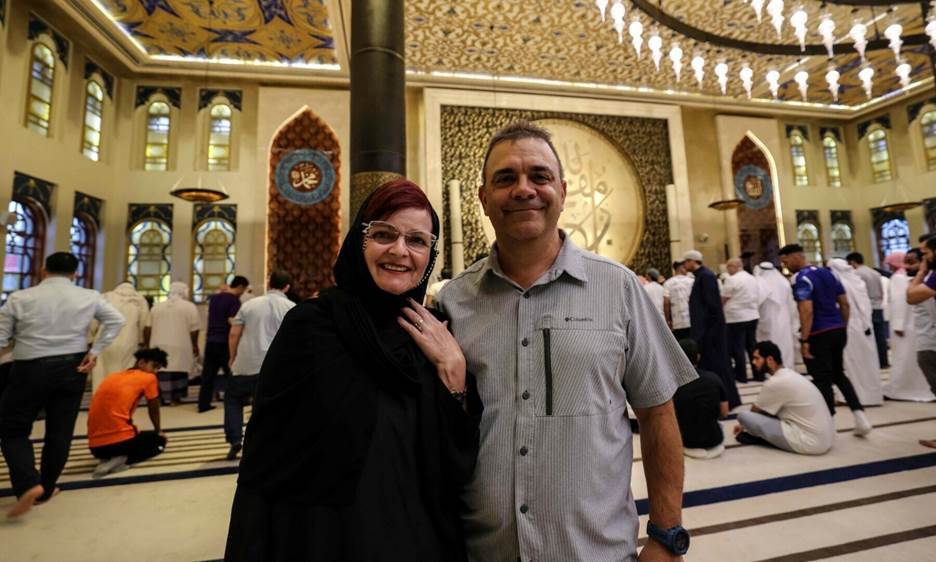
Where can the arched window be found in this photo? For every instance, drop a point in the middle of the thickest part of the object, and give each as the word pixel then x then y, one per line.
pixel 157 136
pixel 219 138
pixel 928 124
pixel 148 258
pixel 880 156
pixel 830 152
pixel 798 152
pixel 894 237
pixel 843 239
pixel 25 235
pixel 83 243
pixel 41 81
pixel 213 264
pixel 808 235
pixel 93 120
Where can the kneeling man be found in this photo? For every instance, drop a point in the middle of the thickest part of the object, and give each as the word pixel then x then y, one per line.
pixel 112 436
pixel 789 413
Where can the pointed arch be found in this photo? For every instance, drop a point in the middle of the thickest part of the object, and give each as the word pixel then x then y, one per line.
pixel 303 217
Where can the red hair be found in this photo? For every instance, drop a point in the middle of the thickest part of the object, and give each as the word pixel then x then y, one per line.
pixel 393 196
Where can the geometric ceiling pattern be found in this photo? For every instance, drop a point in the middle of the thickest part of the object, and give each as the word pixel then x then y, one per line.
pixel 556 40
pixel 287 31
pixel 566 40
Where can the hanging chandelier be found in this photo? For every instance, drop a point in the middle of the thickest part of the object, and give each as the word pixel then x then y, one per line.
pixel 198 193
pixel 867 31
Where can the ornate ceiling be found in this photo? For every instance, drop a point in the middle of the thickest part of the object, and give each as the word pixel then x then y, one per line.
pixel 554 40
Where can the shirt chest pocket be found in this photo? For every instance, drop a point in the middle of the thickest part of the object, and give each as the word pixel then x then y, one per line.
pixel 580 371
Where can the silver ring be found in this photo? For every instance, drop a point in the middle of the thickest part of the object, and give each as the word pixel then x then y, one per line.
pixel 419 325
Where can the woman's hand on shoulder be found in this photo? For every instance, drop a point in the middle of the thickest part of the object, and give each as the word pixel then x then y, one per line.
pixel 437 343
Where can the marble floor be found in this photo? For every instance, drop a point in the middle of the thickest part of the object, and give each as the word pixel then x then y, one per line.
pixel 869 499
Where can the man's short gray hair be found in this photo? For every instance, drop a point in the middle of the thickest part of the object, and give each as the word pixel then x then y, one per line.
pixel 517 131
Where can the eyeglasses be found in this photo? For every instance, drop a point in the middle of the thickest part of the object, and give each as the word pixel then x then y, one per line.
pixel 384 233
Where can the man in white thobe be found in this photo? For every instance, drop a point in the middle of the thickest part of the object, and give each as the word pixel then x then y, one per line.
pixel 860 358
pixel 906 379
pixel 654 289
pixel 676 291
pixel 776 308
pixel 119 355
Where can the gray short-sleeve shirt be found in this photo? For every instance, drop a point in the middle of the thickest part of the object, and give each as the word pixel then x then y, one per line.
pixel 556 365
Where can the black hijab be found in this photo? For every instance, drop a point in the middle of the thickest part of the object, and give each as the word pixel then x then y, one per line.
pixel 315 407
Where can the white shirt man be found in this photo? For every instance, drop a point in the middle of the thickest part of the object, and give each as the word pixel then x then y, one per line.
pixel 49 324
pixel 655 290
pixel 676 291
pixel 740 299
pixel 790 412
pixel 252 331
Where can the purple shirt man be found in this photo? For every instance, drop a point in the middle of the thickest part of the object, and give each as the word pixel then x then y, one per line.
pixel 819 285
pixel 222 307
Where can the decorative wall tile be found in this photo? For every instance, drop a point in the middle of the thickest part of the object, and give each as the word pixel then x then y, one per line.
pixel 37 189
pixel 144 93
pixel 91 68
pixel 139 211
pixel 88 205
pixel 204 211
pixel 206 96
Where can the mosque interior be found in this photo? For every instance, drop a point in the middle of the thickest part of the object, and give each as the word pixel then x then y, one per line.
pixel 188 140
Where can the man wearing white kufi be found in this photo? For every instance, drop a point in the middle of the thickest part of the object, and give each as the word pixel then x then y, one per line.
pixel 119 355
pixel 778 316
pixel 860 358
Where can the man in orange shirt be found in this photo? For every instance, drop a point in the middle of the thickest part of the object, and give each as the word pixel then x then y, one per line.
pixel 112 436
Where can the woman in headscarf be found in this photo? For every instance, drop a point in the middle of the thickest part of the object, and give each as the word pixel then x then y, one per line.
pixel 365 423
pixel 906 379
pixel 173 327
pixel 860 357
pixel 119 355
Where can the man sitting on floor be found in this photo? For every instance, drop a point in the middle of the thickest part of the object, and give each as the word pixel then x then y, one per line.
pixel 789 413
pixel 112 436
pixel 699 405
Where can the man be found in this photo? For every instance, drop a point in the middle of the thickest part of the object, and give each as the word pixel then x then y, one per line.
pixel 119 355
pixel 654 289
pixel 112 437
pixel 823 310
pixel 252 332
pixel 699 405
pixel 560 340
pixel 907 381
pixel 779 318
pixel 707 324
pixel 860 354
pixel 872 280
pixel 222 307
pixel 676 291
pixel 922 292
pixel 789 413
pixel 740 300
pixel 51 360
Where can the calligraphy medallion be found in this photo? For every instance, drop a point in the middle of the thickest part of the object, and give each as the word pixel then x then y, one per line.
pixel 305 176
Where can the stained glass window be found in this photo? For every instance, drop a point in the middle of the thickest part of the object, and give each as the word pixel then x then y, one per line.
pixel 798 152
pixel 894 237
pixel 93 119
pixel 41 80
pixel 219 138
pixel 808 235
pixel 158 124
pixel 83 242
pixel 880 156
pixel 843 239
pixel 213 263
pixel 830 152
pixel 929 139
pixel 24 247
pixel 148 260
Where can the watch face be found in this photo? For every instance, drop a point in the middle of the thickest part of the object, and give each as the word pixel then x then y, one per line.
pixel 681 541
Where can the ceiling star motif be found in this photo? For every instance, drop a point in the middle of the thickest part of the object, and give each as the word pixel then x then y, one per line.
pixel 566 40
pixel 288 31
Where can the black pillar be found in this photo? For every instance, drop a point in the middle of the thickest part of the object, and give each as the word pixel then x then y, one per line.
pixel 378 105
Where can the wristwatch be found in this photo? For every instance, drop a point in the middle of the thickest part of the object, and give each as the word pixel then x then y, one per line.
pixel 676 539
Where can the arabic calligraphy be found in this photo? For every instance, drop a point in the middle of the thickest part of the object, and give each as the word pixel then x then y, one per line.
pixel 304 176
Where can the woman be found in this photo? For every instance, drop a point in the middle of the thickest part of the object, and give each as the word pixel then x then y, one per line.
pixel 365 424
pixel 173 327
pixel 861 364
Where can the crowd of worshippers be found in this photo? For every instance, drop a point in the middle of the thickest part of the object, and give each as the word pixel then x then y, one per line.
pixel 137 352
pixel 844 321
pixel 494 425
